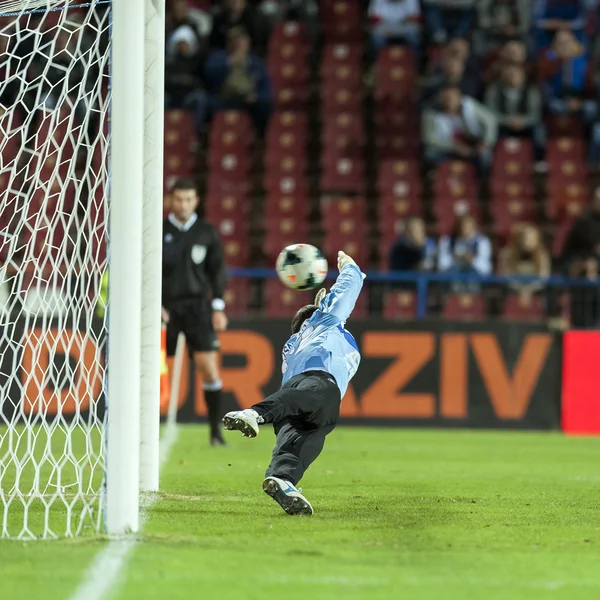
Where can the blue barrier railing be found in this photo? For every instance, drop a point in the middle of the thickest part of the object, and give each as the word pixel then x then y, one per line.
pixel 422 281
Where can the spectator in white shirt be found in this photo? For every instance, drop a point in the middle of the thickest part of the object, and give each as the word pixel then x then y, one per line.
pixel 459 127
pixel 393 20
pixel 466 250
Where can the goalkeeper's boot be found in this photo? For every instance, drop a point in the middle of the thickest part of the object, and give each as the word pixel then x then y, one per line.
pixel 246 421
pixel 288 496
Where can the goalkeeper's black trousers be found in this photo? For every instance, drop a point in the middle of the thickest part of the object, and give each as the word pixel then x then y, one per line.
pixel 303 412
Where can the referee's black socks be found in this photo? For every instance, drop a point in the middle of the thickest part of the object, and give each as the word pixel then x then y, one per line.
pixel 212 396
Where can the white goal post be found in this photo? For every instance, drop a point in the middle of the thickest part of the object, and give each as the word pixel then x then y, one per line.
pixel 81 186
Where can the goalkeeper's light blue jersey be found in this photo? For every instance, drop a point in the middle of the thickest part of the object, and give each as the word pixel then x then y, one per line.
pixel 323 344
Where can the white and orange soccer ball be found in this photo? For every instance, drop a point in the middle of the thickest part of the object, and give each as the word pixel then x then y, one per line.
pixel 301 267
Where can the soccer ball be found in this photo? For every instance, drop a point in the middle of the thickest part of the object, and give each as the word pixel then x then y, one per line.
pixel 301 267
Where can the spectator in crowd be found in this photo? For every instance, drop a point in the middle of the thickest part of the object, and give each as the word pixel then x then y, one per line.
pixel 183 88
pixel 178 16
pixel 563 69
pixel 458 49
pixel 583 240
pixel 233 14
pixel 466 250
pixel 526 255
pixel 446 19
pixel 8 75
pixel 502 20
pixel 516 105
pixel 511 54
pixel 452 73
pixel 458 127
pixel 594 149
pixel 395 20
pixel 551 16
pixel 237 79
pixel 581 259
pixel 412 250
pixel 65 74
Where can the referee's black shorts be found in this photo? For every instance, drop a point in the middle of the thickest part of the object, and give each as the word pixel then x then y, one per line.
pixel 192 317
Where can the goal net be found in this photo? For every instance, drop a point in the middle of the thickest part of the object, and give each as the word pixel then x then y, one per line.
pixel 54 157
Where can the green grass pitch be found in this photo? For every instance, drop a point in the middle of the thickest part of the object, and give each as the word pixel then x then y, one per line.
pixel 399 513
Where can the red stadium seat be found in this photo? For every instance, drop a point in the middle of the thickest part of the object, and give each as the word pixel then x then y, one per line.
pixel 287 53
pixel 399 178
pixel 288 31
pixel 340 99
pixel 237 251
pixel 341 20
pixel 393 119
pixel 283 302
pixel 523 308
pixel 335 210
pixel 464 307
pixel 558 126
pixel 396 146
pixel 343 175
pixel 395 72
pixel 352 244
pixel 507 213
pixel 508 149
pixel 234 121
pixel 455 180
pixel 401 305
pixel 339 148
pixel 565 148
pixel 506 189
pixel 335 55
pixel 283 206
pixel 285 143
pixel 392 209
pixel 289 75
pixel 237 297
pixel 288 166
pixel 566 202
pixel 353 225
pixel 291 97
pixel 343 77
pixel 287 121
pixel 281 233
pixel 229 172
pixel 287 185
pixel 447 212
pixel 512 170
pixel 568 171
pixel 343 125
pixel 218 207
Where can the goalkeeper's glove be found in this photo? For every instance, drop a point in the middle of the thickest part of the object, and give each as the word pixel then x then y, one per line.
pixel 344 259
pixel 320 295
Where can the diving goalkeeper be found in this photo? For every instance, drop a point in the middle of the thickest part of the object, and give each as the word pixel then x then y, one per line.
pixel 318 362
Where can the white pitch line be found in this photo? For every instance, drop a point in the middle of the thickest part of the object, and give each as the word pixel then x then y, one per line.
pixel 106 571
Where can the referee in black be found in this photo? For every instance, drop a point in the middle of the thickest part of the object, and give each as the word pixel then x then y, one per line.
pixel 193 284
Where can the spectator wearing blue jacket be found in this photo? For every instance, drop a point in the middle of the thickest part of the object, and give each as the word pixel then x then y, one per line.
pixel 412 250
pixel 563 70
pixel 466 250
pixel 549 16
pixel 236 79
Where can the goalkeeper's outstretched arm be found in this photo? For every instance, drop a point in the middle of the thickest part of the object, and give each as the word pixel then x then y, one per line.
pixel 340 300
